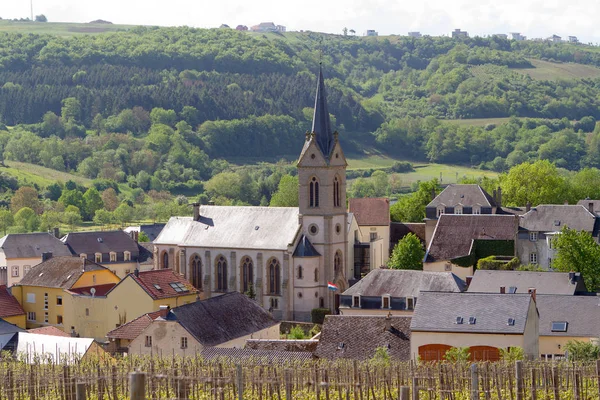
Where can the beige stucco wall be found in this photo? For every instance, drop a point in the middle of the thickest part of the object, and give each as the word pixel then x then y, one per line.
pixel 440 266
pixel 19 262
pixel 240 343
pixel 21 292
pixel 549 344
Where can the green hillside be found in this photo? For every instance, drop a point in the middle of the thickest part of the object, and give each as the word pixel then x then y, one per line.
pixel 61 29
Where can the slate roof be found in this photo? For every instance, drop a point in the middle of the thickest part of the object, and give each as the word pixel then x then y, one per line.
pixel 59 272
pixel 134 328
pixel 152 231
pixel 48 330
pixel 9 306
pixel 357 337
pixel 31 245
pixel 223 318
pixel 437 312
pixel 485 281
pixel 370 211
pixel 305 248
pixel 552 218
pixel 146 256
pixel 306 345
pixel 101 242
pixel 157 283
pixel 466 195
pixel 267 228
pixel 582 314
pixel 321 125
pixel 454 233
pixel 405 283
pixel 594 203
pixel 251 356
pixel 8 328
pixel 400 229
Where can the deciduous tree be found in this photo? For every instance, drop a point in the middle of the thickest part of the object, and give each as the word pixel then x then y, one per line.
pixel 407 254
pixel 287 192
pixel 578 251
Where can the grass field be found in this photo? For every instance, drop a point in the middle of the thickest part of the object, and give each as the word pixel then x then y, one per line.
pixel 444 173
pixel 59 28
pixel 477 121
pixel 36 174
pixel 546 70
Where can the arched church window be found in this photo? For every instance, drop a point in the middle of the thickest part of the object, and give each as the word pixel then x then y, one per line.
pixel 337 262
pixel 247 273
pixel 314 192
pixel 165 260
pixel 336 192
pixel 196 271
pixel 274 276
pixel 221 274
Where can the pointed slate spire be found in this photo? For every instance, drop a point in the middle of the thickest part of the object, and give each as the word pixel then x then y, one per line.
pixel 321 123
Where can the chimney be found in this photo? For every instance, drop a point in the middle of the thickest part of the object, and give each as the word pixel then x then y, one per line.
pixel 572 277
pixel 56 233
pixel 532 291
pixel 528 206
pixel 495 195
pixel 196 211
pixel 591 206
pixel 468 280
pixel 136 272
pixel 566 203
pixel 164 310
pixel 502 290
pixel 46 256
pixel 388 322
pixel 433 195
pixel 134 235
pixel 499 197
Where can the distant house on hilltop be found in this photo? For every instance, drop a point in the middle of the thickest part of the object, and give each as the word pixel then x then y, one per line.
pixel 267 27
pixel 241 28
pixel 457 33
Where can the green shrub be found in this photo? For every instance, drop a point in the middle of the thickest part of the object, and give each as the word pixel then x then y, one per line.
pixel 581 351
pixel 512 354
pixel 318 315
pixel 457 355
pixel 296 333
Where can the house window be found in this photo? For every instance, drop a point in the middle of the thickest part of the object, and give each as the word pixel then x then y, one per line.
pixel 148 341
pixel 46 317
pixel 26 269
pixel 94 279
pixel 533 236
pixel 221 267
pixel 14 271
pixel 59 300
pixel 356 301
pixel 127 256
pixel 300 272
pixel 533 258
pixel 373 236
pixel 31 297
pixel 31 316
pixel 247 273
pixel 274 303
pixel 476 210
pixel 410 303
pixel 458 210
pixel 113 256
pixel 87 312
pixel 59 320
pixel 385 302
pixel 559 326
pixel 321 302
pixel 196 271
pixel 336 192
pixel 45 301
pixel 274 276
pixel 440 211
pixel 313 193
pixel 184 343
pixel 447 267
pixel 337 262
pixel 98 257
pixel 549 263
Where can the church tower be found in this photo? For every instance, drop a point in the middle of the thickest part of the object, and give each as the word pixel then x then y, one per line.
pixel 322 200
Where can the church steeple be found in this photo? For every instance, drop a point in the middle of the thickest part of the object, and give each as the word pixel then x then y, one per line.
pixel 321 126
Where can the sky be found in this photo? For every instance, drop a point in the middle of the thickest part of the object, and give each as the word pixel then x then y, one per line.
pixel 533 18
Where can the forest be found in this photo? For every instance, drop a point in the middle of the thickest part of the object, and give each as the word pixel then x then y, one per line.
pixel 156 113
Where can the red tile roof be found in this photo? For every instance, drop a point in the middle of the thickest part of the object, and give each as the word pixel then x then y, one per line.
pixel 134 328
pixel 159 284
pixel 9 306
pixel 370 211
pixel 49 330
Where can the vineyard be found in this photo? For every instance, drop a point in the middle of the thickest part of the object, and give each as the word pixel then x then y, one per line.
pixel 195 378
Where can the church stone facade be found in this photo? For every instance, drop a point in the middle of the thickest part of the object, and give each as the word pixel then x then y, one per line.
pixel 284 255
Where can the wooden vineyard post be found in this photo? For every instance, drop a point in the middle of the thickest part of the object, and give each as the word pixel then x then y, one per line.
pixel 474 382
pixel 519 378
pixel 415 388
pixel 80 391
pixel 137 386
pixel 404 393
pixel 288 384
pixel 182 388
pixel 114 382
pixel 555 383
pixel 240 382
pixel 598 375
pixel 533 384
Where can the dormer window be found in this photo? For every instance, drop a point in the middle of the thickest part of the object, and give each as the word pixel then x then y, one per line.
pixel 98 258
pixel 127 256
pixel 441 210
pixel 533 236
pixel 476 210
pixel 113 256
pixel 356 301
pixel 83 255
pixel 458 210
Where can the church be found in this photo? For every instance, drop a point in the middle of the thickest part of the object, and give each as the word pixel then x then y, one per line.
pixel 283 256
